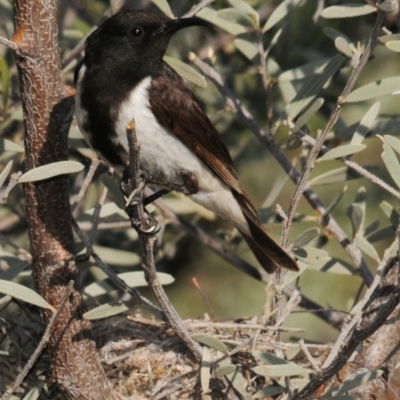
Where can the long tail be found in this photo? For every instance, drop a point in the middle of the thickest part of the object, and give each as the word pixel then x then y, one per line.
pixel 268 253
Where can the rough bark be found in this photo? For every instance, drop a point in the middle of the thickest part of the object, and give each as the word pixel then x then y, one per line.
pixel 48 109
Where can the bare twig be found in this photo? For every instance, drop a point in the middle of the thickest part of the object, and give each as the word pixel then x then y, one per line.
pixel 141 301
pixel 309 357
pixel 46 336
pixel 13 182
pixel 146 247
pixel 88 178
pixel 9 43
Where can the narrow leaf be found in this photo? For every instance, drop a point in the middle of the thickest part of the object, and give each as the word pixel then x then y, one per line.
pixel 313 85
pixel 224 370
pixel 383 234
pixel 211 341
pixel 388 6
pixel 132 279
pixel 8 145
pixel 307 114
pixel 211 16
pixel 186 71
pixel 356 214
pixel 347 11
pixel 366 123
pixel 114 190
pixel 305 237
pixel 393 142
pixel 334 34
pixel 205 370
pixel 242 6
pixel 23 293
pixel 392 163
pixel 234 15
pixel 342 151
pixel 106 311
pixel 366 247
pixel 238 381
pixel 279 13
pixel 344 47
pixel 303 71
pixel 118 257
pixel 281 370
pixel 51 170
pixel 164 7
pixel 393 45
pixel 336 175
pixel 354 382
pixel 382 87
pixel 15 266
pixel 390 212
pixel 291 276
pixel 6 171
pixel 34 393
pixel 246 47
pixel 269 358
pixel 5 80
pixel 388 38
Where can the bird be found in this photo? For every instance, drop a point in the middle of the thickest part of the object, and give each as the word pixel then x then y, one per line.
pixel 122 76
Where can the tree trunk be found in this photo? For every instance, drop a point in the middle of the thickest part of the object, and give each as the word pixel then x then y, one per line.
pixel 48 108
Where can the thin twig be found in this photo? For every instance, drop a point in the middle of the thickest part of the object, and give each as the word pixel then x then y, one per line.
pixel 46 336
pixel 140 300
pixel 326 220
pixel 13 182
pixel 308 355
pixel 146 246
pixel 86 182
pixel 9 43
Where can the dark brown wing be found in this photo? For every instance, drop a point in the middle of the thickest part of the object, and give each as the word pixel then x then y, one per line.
pixel 179 112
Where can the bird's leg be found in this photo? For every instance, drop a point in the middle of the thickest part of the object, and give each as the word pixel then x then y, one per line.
pixel 148 223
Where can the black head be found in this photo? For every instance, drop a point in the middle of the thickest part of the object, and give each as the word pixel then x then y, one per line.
pixel 136 40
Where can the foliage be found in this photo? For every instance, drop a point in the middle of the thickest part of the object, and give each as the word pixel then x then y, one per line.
pixel 308 100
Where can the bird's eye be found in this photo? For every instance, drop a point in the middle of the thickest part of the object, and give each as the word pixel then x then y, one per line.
pixel 137 32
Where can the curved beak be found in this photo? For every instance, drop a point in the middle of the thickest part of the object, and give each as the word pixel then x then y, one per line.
pixel 173 25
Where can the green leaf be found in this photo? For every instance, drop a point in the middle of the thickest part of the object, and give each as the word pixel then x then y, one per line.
pixel 132 279
pixel 393 142
pixel 7 145
pixel 243 6
pixel 344 47
pixel 281 370
pixel 6 171
pixel 269 358
pixel 393 45
pixel 336 175
pixel 334 34
pixel 212 342
pixel 388 38
pixel 51 170
pixel 186 71
pixel 366 123
pixel 291 276
pixel 313 86
pixel 5 80
pixel 239 382
pixel 106 310
pixel 164 7
pixel 307 114
pixel 234 15
pixel 211 16
pixel 363 244
pixel 303 71
pixel 305 237
pixel 224 370
pixel 15 266
pixel 279 13
pixel 34 393
pixel 348 11
pixel 390 212
pixel 383 234
pixel 342 151
pixel 23 293
pixel 353 382
pixel 391 163
pixel 246 47
pixel 356 214
pixel 383 87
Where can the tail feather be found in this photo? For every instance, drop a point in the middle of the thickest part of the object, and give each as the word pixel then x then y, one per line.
pixel 269 254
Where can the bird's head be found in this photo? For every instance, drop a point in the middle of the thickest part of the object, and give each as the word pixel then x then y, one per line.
pixel 135 38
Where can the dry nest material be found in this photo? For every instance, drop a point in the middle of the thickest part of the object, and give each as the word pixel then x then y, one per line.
pixel 143 359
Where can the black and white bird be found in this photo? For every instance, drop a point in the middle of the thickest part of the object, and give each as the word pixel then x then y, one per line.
pixel 123 76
